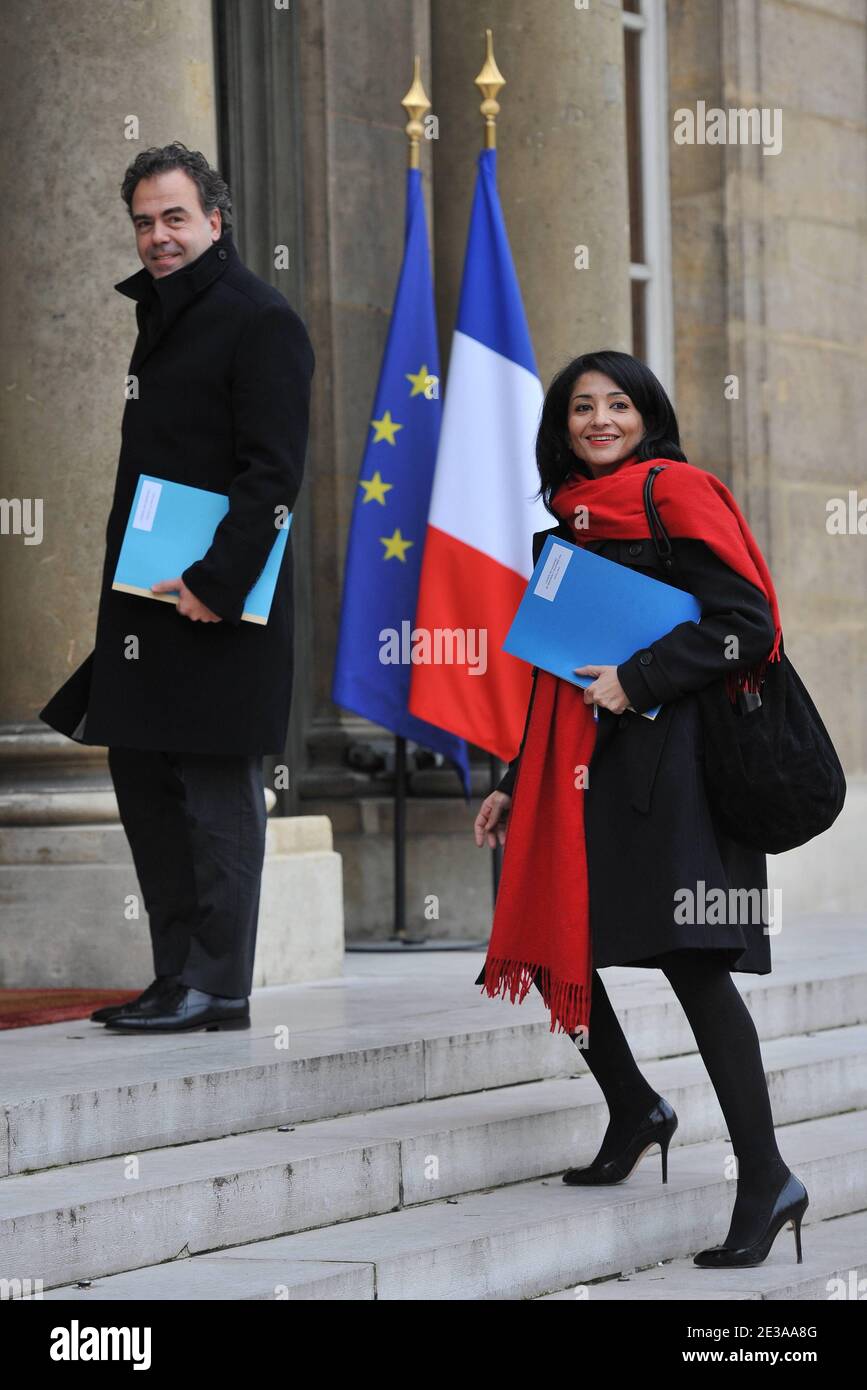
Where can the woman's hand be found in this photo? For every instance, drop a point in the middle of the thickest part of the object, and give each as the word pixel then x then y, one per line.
pixel 494 812
pixel 606 691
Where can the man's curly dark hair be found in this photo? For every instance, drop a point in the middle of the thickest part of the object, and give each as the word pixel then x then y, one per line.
pixel 213 189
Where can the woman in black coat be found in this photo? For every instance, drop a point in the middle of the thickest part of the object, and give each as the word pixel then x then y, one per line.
pixel 649 827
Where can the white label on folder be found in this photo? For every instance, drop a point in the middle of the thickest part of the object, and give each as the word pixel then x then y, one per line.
pixel 146 510
pixel 551 576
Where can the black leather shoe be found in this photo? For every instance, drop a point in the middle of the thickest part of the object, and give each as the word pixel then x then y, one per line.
pixel 183 1010
pixel 145 1003
pixel 657 1128
pixel 790 1204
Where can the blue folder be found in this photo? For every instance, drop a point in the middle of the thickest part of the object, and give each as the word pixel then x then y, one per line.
pixel 171 526
pixel 581 609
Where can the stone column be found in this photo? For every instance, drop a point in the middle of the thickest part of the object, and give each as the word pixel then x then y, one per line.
pixel 561 166
pixel 768 253
pixel 83 74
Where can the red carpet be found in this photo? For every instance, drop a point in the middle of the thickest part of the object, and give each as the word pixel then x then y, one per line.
pixel 22 1008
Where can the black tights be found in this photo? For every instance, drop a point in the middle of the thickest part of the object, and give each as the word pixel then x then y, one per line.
pixel 729 1046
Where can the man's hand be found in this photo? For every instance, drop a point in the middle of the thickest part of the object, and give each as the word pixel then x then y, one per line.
pixel 606 691
pixel 494 812
pixel 188 605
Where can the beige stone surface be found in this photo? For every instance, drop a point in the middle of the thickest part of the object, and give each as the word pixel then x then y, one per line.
pixel 769 286
pixel 561 165
pixel 66 894
pixel 65 334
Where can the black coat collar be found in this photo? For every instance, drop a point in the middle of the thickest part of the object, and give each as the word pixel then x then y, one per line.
pixel 184 283
pixel 174 292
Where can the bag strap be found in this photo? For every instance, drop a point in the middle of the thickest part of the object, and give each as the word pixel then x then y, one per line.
pixel 658 533
pixel 747 700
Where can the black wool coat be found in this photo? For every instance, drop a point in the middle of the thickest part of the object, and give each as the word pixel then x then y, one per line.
pixel 649 827
pixel 224 366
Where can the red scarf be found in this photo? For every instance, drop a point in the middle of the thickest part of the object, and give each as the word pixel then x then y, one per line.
pixel 541 917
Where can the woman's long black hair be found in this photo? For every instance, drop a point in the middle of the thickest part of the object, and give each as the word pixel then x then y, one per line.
pixel 554 457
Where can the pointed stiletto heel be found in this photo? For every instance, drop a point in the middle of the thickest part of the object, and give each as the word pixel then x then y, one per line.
pixel 663 1153
pixel 656 1128
pixel 788 1209
pixel 796 1227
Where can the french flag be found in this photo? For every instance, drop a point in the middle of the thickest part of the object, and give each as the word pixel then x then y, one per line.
pixel 478 543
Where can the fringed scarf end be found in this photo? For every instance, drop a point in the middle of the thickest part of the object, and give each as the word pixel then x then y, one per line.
pixel 752 679
pixel 567 1000
pixel 776 654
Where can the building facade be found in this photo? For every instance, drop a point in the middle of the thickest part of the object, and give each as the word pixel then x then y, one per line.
pixel 725 250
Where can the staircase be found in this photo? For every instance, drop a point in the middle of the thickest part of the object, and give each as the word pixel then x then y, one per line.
pixel 394 1134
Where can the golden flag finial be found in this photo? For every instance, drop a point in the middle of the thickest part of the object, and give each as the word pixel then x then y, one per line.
pixel 415 103
pixel 489 82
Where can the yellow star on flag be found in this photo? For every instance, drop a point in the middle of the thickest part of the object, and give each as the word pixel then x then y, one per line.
pixel 395 545
pixel 374 488
pixel 385 429
pixel 419 380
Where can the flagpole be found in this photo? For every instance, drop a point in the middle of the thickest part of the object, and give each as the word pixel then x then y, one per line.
pixel 490 82
pixel 399 928
pixel 415 103
pixel 385 596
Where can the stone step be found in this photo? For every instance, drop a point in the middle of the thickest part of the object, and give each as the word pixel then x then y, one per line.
pixel 73 1092
pixel 834 1266
pixel 63 888
pixel 110 1214
pixel 513 1242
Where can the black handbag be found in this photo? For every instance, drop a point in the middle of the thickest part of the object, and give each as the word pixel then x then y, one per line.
pixel 773 777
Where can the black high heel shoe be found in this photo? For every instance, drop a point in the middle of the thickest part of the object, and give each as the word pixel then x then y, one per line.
pixel 790 1204
pixel 657 1128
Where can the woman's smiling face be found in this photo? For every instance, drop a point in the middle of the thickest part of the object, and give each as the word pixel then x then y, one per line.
pixel 604 425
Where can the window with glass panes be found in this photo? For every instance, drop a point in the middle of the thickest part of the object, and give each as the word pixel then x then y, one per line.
pixel 646 117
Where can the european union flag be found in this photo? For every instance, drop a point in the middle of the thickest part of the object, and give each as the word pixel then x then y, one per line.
pixel 389 518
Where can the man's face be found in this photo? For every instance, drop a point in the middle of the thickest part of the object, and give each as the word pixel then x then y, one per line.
pixel 171 230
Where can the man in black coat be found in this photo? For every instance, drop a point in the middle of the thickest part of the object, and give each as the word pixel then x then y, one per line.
pixel 186 694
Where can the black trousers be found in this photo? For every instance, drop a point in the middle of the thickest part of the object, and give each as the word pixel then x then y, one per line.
pixel 196 828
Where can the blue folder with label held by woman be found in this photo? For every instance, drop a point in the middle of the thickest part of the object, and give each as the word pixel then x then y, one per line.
pixel 580 609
